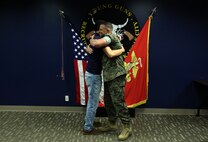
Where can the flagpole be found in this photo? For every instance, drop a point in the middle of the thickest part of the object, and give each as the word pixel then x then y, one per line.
pixel 61 13
pixel 153 11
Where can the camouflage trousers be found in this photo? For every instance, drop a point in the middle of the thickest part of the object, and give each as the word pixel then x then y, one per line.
pixel 114 100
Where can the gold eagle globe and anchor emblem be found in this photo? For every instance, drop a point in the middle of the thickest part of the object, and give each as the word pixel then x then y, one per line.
pixel 132 67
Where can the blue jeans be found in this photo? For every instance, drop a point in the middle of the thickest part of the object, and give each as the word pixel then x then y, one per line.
pixel 94 83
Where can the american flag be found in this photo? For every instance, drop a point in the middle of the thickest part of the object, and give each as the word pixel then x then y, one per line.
pixel 80 61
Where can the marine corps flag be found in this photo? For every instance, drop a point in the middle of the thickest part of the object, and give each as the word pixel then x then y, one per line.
pixel 136 64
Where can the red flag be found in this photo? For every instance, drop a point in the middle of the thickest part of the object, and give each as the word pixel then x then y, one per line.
pixel 136 63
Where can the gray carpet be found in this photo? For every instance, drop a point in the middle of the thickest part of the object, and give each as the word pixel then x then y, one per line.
pixel 67 126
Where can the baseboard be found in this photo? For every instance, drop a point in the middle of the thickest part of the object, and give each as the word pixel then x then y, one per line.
pixel 170 111
pixel 43 108
pixel 82 109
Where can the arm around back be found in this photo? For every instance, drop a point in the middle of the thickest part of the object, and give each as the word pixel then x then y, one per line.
pixel 113 53
pixel 98 42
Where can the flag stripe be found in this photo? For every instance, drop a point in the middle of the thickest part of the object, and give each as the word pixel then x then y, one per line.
pixel 81 82
pixel 81 88
pixel 76 72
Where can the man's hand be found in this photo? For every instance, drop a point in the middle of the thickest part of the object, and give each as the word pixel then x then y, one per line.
pixel 92 36
pixel 123 50
pixel 89 50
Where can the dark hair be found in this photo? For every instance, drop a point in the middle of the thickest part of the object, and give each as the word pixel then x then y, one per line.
pixel 98 23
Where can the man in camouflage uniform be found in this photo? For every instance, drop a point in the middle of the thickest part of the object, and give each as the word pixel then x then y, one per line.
pixel 114 75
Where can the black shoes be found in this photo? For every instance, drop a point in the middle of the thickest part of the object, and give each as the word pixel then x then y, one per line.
pixel 92 132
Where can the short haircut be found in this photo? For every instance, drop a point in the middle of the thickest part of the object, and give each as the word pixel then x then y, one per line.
pixel 108 25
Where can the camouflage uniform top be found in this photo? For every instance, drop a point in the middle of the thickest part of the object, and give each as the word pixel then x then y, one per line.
pixel 113 67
